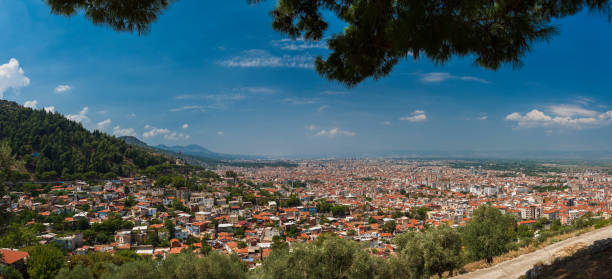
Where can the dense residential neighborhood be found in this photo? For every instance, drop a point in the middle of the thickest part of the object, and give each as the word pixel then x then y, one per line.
pixel 247 211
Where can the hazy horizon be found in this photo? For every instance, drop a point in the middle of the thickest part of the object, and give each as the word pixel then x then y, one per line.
pixel 195 81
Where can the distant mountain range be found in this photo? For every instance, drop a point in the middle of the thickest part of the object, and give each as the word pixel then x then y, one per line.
pixel 196 150
pixel 197 155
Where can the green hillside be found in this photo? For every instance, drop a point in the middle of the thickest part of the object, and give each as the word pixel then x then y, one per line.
pixel 49 146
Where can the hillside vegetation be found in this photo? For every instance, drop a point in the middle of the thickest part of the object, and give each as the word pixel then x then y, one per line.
pixel 49 146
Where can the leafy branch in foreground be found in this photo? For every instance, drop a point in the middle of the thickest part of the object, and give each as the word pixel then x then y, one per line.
pixel 121 15
pixel 381 33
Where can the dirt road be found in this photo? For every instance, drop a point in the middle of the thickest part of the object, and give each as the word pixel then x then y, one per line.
pixel 518 266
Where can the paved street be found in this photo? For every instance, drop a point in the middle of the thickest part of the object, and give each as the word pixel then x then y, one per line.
pixel 518 266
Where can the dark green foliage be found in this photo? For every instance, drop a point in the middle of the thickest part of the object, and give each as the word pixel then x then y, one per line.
pixel 79 272
pixel 101 233
pixel 121 15
pixel 297 183
pixel 378 34
pixel 130 201
pixel 292 201
pixel 419 213
pixel 389 227
pixel 8 272
pixel 292 231
pixel 489 233
pixel 323 206
pixel 169 225
pixel 153 238
pixel 134 270
pixel 422 255
pixel 18 236
pixel 53 147
pixel 327 257
pixel 206 248
pixel 178 205
pixel 45 261
pixel 239 232
pixel 339 210
pixel 101 262
pixel 183 266
pixel 541 189
pixel 278 243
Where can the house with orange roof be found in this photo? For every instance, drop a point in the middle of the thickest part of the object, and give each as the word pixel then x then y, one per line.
pixel 14 258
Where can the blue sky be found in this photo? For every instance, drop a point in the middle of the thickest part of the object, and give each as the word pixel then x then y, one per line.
pixel 219 76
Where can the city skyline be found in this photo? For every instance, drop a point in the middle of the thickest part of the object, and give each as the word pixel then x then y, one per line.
pixel 185 83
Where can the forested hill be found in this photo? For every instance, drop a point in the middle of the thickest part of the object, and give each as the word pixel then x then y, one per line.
pixel 50 146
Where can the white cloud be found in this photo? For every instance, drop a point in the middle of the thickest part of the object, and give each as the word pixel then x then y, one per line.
pixel 212 97
pixel 154 132
pixel 176 136
pixel 50 109
pixel 131 115
pixel 62 88
pixel 311 127
pixel 103 124
pixel 300 101
pixel 256 90
pixel 183 108
pixel 31 104
pixel 185 126
pixel 571 110
pixel 12 76
pixel 515 116
pixel 80 117
pixel 220 133
pixel 298 44
pixel 167 134
pixel 470 78
pixel 484 117
pixel 215 101
pixel 435 77
pixel 118 131
pixel 386 123
pixel 323 108
pixel 561 116
pixel 222 100
pixel 416 116
pixel 330 92
pixel 263 59
pixel 584 100
pixel 332 133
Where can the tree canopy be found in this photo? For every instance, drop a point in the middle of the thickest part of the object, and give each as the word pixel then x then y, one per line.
pixel 184 265
pixel 51 146
pixel 121 15
pixel 327 257
pixel 45 261
pixel 489 233
pixel 379 34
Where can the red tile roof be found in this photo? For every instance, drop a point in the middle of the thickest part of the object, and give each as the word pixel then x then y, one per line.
pixel 11 257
